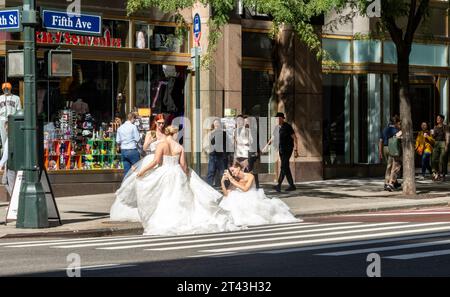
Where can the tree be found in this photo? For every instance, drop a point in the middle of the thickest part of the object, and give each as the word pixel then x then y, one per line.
pixel 298 13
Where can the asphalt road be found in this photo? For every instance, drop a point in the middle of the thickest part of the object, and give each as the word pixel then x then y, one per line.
pixel 400 243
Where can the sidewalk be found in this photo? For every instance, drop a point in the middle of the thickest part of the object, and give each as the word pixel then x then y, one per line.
pixel 89 215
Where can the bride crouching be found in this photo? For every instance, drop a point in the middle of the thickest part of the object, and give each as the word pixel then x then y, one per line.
pixel 172 199
pixel 249 205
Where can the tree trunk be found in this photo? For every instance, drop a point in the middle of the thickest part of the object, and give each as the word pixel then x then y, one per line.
pixel 409 182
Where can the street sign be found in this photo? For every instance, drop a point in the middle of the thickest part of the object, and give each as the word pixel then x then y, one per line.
pixel 10 20
pixel 89 24
pixel 197 29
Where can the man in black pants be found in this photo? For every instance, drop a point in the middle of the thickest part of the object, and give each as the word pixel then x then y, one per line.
pixel 285 135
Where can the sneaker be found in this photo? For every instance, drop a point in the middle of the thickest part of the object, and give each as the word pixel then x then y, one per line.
pixel 291 188
pixel 397 185
pixel 421 177
pixel 386 187
pixel 390 188
pixel 277 188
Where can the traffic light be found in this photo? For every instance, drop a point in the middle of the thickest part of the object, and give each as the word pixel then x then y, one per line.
pixel 59 63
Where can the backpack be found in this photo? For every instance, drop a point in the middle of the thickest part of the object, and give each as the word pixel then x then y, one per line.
pixel 395 148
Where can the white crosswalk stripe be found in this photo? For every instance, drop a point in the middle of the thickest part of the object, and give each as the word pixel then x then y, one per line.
pixel 325 239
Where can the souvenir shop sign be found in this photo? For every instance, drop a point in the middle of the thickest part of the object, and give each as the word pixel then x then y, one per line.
pixel 66 38
pixel 89 24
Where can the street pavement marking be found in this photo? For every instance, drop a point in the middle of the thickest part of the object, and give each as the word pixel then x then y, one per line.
pixel 419 255
pixel 221 239
pixel 399 214
pixel 386 248
pixel 285 237
pixel 330 240
pixel 118 238
pixel 355 243
pixel 194 238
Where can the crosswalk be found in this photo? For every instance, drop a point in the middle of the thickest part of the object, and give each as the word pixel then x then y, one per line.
pixel 395 240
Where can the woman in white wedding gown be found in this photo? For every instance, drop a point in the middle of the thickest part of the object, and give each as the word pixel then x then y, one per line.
pixel 248 205
pixel 124 208
pixel 174 200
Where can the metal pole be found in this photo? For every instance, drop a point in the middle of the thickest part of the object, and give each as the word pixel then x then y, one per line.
pixel 198 163
pixel 32 212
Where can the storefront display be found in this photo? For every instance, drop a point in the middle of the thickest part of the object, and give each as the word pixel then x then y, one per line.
pixel 72 143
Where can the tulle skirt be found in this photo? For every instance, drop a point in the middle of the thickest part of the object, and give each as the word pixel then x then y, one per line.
pixel 255 208
pixel 171 203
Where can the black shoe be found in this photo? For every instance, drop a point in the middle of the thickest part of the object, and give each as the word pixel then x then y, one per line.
pixel 397 185
pixel 390 188
pixel 386 187
pixel 291 188
pixel 277 188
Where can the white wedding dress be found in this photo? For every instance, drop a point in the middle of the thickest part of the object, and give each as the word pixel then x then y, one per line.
pixel 171 203
pixel 124 208
pixel 255 208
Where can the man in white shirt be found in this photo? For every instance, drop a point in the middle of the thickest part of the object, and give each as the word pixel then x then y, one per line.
pixel 9 104
pixel 128 138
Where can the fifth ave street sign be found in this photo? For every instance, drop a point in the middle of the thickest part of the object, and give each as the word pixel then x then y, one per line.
pixel 89 24
pixel 10 20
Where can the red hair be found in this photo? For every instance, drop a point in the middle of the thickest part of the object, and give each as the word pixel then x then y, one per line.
pixel 158 117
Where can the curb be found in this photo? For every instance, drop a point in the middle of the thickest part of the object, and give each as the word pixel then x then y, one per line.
pixel 369 210
pixel 139 230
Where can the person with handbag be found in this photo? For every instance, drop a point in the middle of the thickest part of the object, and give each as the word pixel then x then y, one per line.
pixel 424 148
pixel 391 153
pixel 439 157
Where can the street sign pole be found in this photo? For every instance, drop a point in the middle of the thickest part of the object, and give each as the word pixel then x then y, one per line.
pixel 197 36
pixel 197 108
pixel 32 212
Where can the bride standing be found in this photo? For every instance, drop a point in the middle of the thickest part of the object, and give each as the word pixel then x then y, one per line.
pixel 174 200
pixel 125 205
pixel 249 205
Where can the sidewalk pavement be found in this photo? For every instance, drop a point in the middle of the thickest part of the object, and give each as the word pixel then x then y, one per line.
pixel 89 215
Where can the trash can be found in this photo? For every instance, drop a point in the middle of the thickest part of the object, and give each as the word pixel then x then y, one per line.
pixel 16 141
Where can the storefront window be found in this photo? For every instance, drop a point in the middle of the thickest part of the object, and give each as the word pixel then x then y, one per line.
pixel 336 138
pixel 160 88
pixel 421 54
pixel 367 51
pixel 257 45
pixel 160 38
pixel 339 49
pixel 118 29
pixel 367 118
pixel 79 111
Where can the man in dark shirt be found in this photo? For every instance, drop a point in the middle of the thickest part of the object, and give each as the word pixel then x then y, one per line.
pixel 393 164
pixel 217 155
pixel 287 143
pixel 439 161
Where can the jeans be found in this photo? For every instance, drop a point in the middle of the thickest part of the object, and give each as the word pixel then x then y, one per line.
pixel 216 163
pixel 129 158
pixel 426 158
pixel 285 171
pixel 439 158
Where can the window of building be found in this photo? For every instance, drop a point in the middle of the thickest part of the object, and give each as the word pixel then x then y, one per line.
pixel 336 132
pixel 118 29
pixel 421 54
pixel 339 49
pixel 257 45
pixel 367 118
pixel 160 38
pixel 367 51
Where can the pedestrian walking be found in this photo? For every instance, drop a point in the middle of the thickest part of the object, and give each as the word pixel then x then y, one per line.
pixel 424 148
pixel 284 134
pixel 216 149
pixel 128 137
pixel 439 157
pixel 391 153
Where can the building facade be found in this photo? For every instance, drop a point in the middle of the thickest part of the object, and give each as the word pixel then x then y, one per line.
pixel 140 64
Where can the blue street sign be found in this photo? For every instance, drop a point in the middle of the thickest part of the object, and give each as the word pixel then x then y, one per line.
pixel 90 24
pixel 10 20
pixel 197 27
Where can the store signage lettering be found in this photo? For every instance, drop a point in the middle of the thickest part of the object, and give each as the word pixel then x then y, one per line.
pixel 63 21
pixel 66 38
